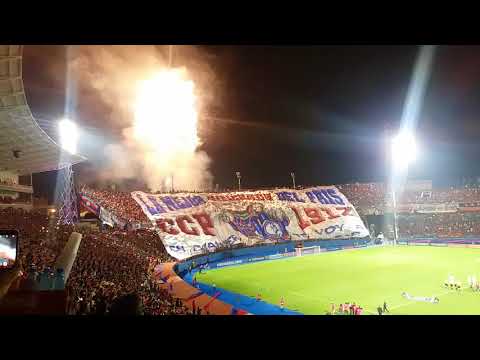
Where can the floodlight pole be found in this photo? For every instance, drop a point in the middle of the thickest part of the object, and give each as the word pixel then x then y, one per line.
pixel 239 177
pixel 395 227
pixel 391 164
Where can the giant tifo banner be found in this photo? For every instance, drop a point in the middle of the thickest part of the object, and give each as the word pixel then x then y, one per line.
pixel 194 223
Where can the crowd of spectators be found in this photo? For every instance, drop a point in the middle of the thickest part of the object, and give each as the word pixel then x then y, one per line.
pixel 374 199
pixel 439 225
pixel 40 243
pixel 109 264
pixel 365 196
pixel 120 203
pixel 113 264
pixel 452 195
pixel 7 200
pixel 7 181
pixel 20 198
pixel 371 197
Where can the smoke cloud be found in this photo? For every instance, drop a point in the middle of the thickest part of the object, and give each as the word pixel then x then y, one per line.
pixel 113 74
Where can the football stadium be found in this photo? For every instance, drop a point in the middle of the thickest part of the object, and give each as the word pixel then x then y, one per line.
pixel 178 245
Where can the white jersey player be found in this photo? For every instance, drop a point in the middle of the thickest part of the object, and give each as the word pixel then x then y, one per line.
pixel 451 280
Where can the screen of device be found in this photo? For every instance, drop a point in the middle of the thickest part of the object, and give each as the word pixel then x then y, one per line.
pixel 8 249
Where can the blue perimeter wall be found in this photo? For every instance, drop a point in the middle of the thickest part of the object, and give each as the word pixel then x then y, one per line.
pixel 250 254
pixel 255 254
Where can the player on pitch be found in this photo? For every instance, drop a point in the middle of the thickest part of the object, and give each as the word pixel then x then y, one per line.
pixel 333 308
pixel 385 308
pixel 458 286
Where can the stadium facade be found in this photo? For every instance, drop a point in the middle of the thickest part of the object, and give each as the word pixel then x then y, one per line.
pixel 25 148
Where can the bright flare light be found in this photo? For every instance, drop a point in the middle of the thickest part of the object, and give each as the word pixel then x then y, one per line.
pixel 166 115
pixel 68 135
pixel 404 150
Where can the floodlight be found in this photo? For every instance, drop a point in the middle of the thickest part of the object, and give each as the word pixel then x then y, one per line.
pixel 68 135
pixel 404 150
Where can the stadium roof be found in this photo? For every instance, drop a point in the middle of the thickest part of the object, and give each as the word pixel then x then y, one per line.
pixel 24 147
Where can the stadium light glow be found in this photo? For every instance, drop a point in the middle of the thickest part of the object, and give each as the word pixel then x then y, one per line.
pixel 166 114
pixel 68 135
pixel 404 150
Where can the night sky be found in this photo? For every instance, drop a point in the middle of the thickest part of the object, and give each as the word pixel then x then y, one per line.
pixel 320 111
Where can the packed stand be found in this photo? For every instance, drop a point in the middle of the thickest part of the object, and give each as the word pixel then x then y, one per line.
pixel 452 195
pixel 116 263
pixel 369 197
pixel 40 242
pixel 20 198
pixel 6 200
pixel 439 225
pixel 120 203
pixel 108 264
pixel 7 181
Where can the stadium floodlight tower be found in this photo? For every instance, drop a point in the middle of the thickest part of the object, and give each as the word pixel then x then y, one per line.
pixel 68 213
pixel 403 150
pixel 403 147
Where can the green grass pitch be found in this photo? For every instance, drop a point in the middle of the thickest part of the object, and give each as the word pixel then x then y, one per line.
pixel 365 276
